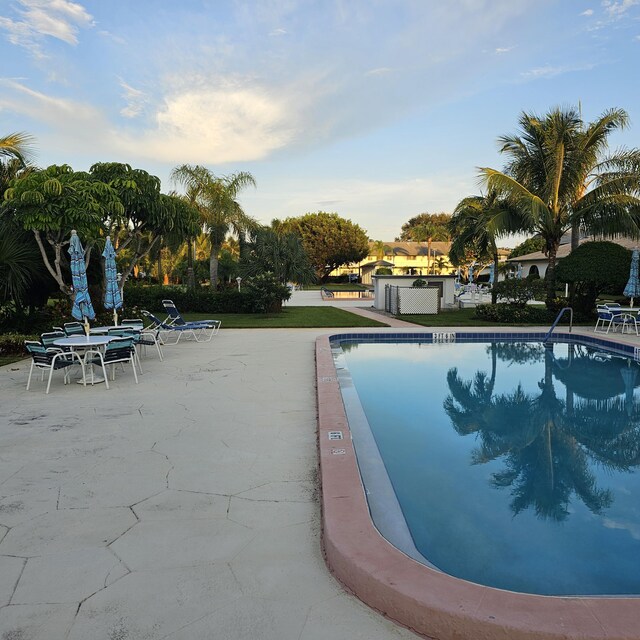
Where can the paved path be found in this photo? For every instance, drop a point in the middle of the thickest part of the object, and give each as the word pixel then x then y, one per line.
pixel 182 508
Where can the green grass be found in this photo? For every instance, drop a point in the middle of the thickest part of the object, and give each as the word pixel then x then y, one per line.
pixel 464 318
pixel 289 318
pixel 9 359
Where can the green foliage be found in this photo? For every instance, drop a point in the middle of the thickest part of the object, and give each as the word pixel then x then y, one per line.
pixel 415 228
pixel 281 253
pixel 150 297
pixel 509 313
pixel 560 177
pixel 419 283
pixel 384 271
pixel 12 344
pixel 530 245
pixel 329 240
pixel 594 267
pixel 518 291
pixel 266 293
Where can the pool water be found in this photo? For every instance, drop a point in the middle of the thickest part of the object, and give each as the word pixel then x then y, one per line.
pixel 514 464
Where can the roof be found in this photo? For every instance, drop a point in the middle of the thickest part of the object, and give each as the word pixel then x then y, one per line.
pixel 565 249
pixel 378 263
pixel 409 248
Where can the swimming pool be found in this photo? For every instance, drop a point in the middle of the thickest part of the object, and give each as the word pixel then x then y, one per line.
pixel 417 595
pixel 512 462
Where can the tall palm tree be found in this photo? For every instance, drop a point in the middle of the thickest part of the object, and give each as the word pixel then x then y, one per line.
pixel 559 178
pixel 16 145
pixel 216 199
pixel 476 224
pixel 428 232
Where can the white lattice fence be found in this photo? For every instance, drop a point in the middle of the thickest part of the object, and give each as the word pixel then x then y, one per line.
pixel 412 300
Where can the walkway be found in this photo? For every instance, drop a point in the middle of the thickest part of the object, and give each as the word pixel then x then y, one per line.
pixel 182 508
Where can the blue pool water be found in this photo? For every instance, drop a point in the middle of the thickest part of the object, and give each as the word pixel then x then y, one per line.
pixel 514 464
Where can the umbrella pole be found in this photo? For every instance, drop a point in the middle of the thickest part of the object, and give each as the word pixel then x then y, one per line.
pixel 87 328
pixel 115 318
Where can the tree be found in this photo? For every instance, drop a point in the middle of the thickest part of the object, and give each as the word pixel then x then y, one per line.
pixel 16 146
pixel 279 252
pixel 329 240
pixel 434 219
pixel 216 200
pixel 475 226
pixel 147 215
pixel 559 178
pixel 51 203
pixel 584 268
pixel 530 245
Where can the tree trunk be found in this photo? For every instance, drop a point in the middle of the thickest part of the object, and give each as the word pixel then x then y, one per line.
pixel 575 242
pixel 550 276
pixel 213 266
pixel 160 273
pixel 191 280
pixel 494 293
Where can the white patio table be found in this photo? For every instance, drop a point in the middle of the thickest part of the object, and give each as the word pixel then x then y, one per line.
pixel 82 343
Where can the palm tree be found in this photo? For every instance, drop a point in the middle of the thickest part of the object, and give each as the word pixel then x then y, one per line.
pixel 476 225
pixel 18 146
pixel 559 178
pixel 428 232
pixel 215 198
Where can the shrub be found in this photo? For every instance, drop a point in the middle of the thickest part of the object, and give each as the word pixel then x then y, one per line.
pixel 509 313
pixel 12 344
pixel 419 283
pixel 150 297
pixel 265 293
pixel 518 292
pixel 594 267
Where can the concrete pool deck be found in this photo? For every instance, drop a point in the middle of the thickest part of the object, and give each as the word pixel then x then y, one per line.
pixel 184 507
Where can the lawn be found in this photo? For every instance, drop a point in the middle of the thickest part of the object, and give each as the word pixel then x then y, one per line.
pixel 290 318
pixel 463 318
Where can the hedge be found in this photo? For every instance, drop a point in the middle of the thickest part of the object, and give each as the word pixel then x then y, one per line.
pixel 508 313
pixel 12 344
pixel 151 297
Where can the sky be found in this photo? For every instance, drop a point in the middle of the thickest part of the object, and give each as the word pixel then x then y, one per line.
pixel 377 110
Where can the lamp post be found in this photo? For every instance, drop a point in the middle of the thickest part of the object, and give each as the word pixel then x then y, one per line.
pixel 238 280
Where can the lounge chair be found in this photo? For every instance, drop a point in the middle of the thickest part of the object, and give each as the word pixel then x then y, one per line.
pixel 43 359
pixel 118 350
pixel 164 330
pixel 206 328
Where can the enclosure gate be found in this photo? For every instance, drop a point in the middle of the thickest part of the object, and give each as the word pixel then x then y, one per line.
pixel 414 300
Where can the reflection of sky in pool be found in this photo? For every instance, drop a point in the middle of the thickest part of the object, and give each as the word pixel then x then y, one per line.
pixel 522 476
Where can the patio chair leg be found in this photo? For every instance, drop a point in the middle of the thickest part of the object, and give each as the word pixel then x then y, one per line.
pixel 133 366
pixel 49 382
pixel 29 378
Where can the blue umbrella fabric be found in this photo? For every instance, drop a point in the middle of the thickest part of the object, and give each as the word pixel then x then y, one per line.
pixel 519 272
pixel 82 307
pixel 112 295
pixel 492 273
pixel 470 273
pixel 632 290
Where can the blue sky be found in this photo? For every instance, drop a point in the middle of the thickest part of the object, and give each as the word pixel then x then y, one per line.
pixel 375 109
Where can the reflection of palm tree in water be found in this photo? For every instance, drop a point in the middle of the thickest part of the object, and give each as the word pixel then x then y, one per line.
pixel 546 448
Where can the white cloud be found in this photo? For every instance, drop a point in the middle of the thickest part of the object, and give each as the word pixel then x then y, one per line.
pixel 135 100
pixel 587 13
pixel 278 32
pixel 549 71
pixel 500 50
pixel 215 125
pixel 380 71
pixel 37 19
pixel 617 8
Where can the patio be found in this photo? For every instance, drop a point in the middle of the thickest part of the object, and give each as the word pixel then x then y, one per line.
pixel 182 507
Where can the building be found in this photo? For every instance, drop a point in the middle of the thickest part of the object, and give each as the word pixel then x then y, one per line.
pixel 402 258
pixel 536 263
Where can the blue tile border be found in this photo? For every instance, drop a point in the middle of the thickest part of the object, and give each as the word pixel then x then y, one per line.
pixel 467 336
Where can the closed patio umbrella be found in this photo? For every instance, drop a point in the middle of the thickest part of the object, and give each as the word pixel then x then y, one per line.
pixel 492 273
pixel 519 272
pixel 470 273
pixel 632 290
pixel 112 295
pixel 82 309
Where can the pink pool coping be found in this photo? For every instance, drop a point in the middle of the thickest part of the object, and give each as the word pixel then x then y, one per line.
pixel 425 600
